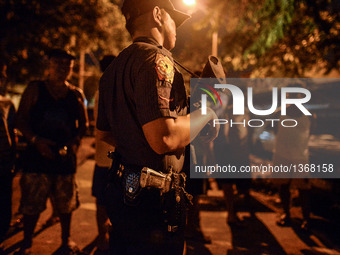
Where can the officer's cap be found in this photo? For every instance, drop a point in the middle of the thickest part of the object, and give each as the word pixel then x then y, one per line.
pixel 134 8
pixel 59 53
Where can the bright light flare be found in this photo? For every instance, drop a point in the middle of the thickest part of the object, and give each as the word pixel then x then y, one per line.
pixel 189 2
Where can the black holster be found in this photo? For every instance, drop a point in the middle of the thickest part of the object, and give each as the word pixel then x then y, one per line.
pixel 126 179
pixel 131 187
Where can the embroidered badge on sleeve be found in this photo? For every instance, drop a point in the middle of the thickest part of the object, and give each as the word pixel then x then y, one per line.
pixel 164 68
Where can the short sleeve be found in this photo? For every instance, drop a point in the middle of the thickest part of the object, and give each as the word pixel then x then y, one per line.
pixel 153 90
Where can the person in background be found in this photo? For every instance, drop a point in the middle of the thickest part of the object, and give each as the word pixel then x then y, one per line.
pixel 234 143
pixel 100 175
pixel 53 119
pixel 7 155
pixel 291 147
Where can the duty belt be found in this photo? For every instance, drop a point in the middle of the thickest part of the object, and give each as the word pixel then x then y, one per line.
pixel 134 180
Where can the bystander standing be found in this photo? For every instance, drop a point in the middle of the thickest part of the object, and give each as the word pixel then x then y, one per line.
pixel 53 119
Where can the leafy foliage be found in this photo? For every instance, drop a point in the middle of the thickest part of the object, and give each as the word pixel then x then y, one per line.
pixel 32 27
pixel 276 37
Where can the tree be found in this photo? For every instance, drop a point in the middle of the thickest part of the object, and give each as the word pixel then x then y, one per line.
pixel 276 38
pixel 30 28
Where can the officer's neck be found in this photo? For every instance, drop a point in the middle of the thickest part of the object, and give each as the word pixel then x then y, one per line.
pixel 151 33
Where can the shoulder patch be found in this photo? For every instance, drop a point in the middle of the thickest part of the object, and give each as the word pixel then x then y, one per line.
pixel 164 68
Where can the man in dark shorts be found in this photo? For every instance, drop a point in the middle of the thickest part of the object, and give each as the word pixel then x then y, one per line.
pixel 52 117
pixel 142 111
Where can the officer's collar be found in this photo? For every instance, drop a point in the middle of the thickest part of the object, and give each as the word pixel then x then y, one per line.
pixel 148 40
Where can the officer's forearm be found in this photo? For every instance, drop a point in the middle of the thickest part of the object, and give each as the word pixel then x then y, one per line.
pixel 168 134
pixel 199 121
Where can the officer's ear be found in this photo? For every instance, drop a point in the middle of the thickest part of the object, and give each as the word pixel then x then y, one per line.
pixel 157 16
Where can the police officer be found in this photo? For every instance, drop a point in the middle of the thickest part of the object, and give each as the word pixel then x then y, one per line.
pixel 143 112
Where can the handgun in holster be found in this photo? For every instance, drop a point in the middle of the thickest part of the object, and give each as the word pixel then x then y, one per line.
pixel 164 182
pixel 153 179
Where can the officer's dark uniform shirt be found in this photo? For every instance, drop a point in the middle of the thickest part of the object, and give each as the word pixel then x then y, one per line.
pixel 141 85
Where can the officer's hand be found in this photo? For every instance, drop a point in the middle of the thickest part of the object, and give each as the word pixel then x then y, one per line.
pixel 209 133
pixel 43 146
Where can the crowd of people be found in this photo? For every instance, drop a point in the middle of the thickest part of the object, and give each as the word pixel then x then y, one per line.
pixel 142 115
